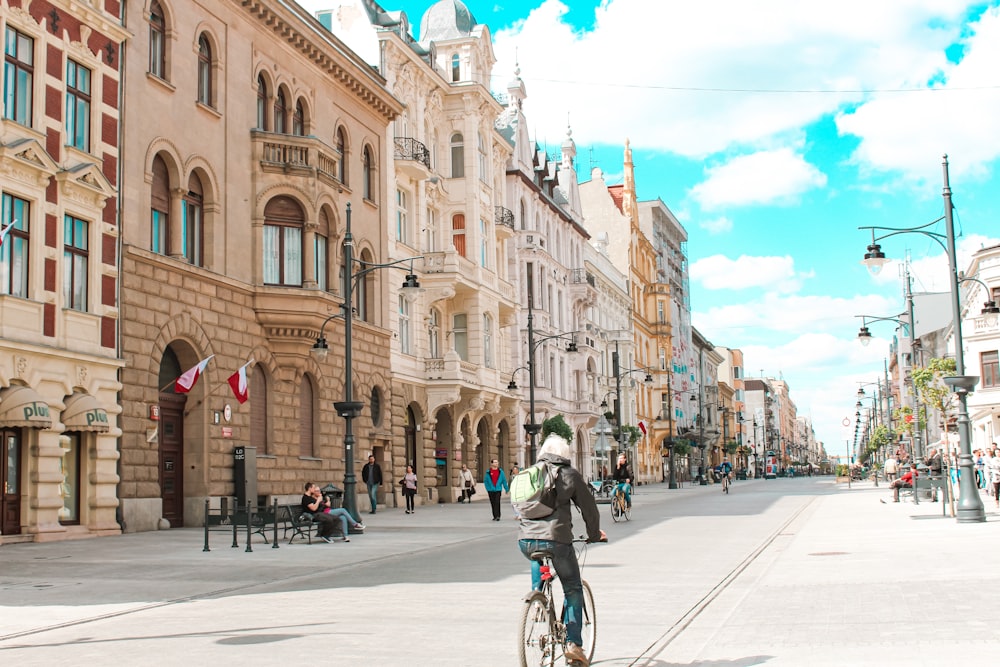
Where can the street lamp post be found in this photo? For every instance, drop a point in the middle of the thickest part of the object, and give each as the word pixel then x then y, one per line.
pixel 672 479
pixel 618 370
pixel 531 428
pixel 350 409
pixel 970 505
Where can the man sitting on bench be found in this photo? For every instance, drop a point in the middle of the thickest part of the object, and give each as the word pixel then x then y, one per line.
pixel 314 503
pixel 906 481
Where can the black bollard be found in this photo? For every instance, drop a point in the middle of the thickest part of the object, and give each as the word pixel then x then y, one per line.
pixel 249 540
pixel 206 526
pixel 274 545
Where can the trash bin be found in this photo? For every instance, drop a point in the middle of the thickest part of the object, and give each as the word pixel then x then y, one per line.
pixel 335 495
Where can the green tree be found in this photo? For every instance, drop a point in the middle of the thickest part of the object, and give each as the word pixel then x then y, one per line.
pixel 558 426
pixel 931 389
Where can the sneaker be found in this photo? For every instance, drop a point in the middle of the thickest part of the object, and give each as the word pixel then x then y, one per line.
pixel 328 540
pixel 359 526
pixel 574 653
pixel 346 539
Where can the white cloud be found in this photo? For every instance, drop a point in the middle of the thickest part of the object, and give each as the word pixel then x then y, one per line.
pixel 765 177
pixel 707 84
pixel 717 225
pixel 746 272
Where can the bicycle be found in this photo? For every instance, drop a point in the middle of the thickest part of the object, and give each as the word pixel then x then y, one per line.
pixel 620 508
pixel 541 633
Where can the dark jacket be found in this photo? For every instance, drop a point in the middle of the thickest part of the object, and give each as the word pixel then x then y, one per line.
pixel 570 490
pixel 622 473
pixel 371 474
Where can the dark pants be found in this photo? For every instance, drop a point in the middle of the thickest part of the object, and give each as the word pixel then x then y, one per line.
pixel 568 569
pixel 326 524
pixel 495 503
pixel 408 494
pixel 466 496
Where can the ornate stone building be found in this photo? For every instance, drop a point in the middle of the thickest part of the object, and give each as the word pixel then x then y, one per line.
pixel 250 131
pixel 59 263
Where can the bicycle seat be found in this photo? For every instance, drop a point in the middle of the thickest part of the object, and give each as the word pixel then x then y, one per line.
pixel 540 555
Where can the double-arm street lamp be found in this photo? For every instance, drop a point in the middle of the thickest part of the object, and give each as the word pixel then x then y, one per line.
pixel 618 371
pixel 350 409
pixel 970 505
pixel 532 428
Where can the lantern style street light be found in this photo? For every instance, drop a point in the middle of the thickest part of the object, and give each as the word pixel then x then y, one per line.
pixel 970 505
pixel 350 409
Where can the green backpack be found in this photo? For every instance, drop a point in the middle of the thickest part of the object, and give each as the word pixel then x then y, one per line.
pixel 533 490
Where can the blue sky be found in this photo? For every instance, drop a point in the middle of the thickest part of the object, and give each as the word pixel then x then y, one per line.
pixel 773 129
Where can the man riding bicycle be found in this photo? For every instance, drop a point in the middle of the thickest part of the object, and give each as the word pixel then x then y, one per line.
pixel 554 533
pixel 623 477
pixel 723 469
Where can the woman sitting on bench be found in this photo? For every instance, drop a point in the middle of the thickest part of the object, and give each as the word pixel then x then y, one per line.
pixel 314 503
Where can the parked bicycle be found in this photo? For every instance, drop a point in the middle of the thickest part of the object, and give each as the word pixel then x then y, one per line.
pixel 619 508
pixel 542 632
pixel 601 489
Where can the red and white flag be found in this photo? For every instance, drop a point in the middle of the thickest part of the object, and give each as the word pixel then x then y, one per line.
pixel 6 230
pixel 642 426
pixel 186 381
pixel 238 381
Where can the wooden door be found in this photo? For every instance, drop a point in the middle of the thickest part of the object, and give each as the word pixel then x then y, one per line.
pixel 171 442
pixel 10 482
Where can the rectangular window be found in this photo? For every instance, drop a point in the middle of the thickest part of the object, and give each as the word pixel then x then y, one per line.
pixel 77 106
pixel 460 335
pixel 158 232
pixel 990 369
pixel 76 254
pixel 192 232
pixel 405 343
pixel 483 245
pixel 14 252
pixel 402 231
pixel 663 359
pixel 69 488
pixel 320 267
pixel 664 406
pixel 18 76
pixel 487 341
pixel 661 312
pixel 282 255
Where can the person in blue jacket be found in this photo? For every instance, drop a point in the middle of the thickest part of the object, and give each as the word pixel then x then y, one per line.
pixel 495 481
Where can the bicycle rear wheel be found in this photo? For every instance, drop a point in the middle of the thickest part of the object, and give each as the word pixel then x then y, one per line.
pixel 589 624
pixel 535 642
pixel 616 508
pixel 626 510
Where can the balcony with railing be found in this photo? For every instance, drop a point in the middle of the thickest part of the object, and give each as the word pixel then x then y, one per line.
pixel 504 218
pixel 295 155
pixel 583 286
pixel 412 157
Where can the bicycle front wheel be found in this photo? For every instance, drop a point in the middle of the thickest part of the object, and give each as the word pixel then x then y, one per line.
pixel 616 509
pixel 535 640
pixel 589 622
pixel 626 510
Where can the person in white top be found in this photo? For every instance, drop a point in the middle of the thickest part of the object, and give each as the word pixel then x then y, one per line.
pixel 466 484
pixel 891 468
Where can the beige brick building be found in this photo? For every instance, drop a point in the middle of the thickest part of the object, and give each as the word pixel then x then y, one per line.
pixel 249 130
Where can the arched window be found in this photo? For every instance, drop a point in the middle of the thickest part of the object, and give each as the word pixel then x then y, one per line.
pixel 299 120
pixel 204 71
pixel 192 224
pixel 458 233
pixel 365 290
pixel 261 102
pixel 157 41
pixel 259 427
pixel 159 204
pixel 456 68
pixel 280 112
pixel 368 163
pixel 283 223
pixel 457 156
pixel 307 401
pixel 523 216
pixel 342 148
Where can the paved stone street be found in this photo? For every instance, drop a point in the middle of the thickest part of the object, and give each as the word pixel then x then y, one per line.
pixel 780 572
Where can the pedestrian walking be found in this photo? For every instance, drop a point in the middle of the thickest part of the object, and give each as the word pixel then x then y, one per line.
pixel 409 484
pixel 994 474
pixel 371 474
pixel 891 469
pixel 466 485
pixel 495 482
